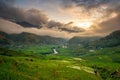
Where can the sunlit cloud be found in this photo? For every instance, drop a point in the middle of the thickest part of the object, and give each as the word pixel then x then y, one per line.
pixel 63 17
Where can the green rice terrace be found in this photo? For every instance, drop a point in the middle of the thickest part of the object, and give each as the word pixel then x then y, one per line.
pixel 29 65
pixel 29 57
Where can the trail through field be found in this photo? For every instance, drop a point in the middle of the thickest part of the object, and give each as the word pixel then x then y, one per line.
pixel 79 59
pixel 84 68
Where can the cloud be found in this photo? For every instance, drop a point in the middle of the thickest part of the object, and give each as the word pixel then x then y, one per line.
pixel 9 12
pixel 31 18
pixel 110 21
pixel 17 29
pixel 87 4
pixel 90 8
pixel 13 28
pixel 81 14
pixel 64 27
pixel 107 26
pixel 10 27
pixel 36 17
pixel 103 14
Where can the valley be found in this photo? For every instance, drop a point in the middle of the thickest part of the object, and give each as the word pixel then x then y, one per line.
pixel 73 62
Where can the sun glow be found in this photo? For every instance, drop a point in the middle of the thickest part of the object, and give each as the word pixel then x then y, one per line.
pixel 85 25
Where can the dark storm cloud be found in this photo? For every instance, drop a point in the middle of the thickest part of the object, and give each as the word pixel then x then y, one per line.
pixel 52 24
pixel 64 27
pixel 9 12
pixel 36 17
pixel 30 18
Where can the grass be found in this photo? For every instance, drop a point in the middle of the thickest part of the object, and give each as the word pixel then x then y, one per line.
pixel 106 61
pixel 24 65
pixel 26 68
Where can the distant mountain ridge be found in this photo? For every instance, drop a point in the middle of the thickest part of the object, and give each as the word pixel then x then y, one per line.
pixel 111 40
pixel 24 38
pixel 81 41
pixel 28 38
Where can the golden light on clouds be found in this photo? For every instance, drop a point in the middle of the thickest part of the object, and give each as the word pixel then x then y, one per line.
pixel 85 25
pixel 70 17
pixel 106 17
pixel 83 18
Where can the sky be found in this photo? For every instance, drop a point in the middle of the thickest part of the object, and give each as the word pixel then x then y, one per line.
pixel 60 18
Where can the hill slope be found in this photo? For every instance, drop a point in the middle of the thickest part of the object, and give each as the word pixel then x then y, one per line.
pixel 81 41
pixel 28 38
pixel 19 66
pixel 111 40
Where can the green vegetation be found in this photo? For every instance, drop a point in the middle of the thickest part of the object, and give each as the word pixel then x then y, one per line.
pixel 28 57
pixel 111 40
pixel 36 66
pixel 107 61
pixel 51 67
pixel 23 39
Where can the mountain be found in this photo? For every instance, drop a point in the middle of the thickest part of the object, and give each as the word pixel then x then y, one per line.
pixel 28 39
pixel 111 40
pixel 3 39
pixel 81 41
